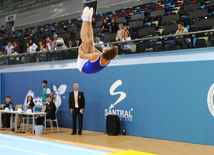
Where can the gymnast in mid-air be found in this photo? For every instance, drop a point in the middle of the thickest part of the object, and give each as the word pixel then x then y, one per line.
pixel 90 60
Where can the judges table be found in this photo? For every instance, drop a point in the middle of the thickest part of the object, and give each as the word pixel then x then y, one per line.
pixel 16 113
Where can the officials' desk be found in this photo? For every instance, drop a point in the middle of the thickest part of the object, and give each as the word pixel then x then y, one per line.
pixel 16 113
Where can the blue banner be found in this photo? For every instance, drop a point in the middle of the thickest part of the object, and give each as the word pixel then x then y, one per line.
pixel 171 101
pixel 0 87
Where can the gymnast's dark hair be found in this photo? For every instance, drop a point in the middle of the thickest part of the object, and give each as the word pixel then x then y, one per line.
pixel 111 53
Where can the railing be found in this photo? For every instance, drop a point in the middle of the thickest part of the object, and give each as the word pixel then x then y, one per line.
pixel 152 44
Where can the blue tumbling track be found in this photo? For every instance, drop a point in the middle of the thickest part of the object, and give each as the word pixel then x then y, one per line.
pixel 26 146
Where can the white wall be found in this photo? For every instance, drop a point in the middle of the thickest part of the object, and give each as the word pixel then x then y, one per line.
pixel 52 13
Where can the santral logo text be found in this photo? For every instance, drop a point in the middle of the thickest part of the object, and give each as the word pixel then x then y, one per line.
pixel 126 114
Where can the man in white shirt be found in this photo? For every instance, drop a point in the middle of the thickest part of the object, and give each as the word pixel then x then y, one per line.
pixel 8 49
pixel 184 42
pixel 98 42
pixel 33 48
pixel 54 45
pixel 60 43
pixel 77 106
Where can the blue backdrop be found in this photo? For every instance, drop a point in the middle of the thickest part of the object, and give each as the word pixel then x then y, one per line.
pixel 165 100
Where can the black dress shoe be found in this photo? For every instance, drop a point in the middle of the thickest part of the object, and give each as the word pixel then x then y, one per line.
pixel 79 133
pixel 7 126
pixel 73 133
pixel 14 129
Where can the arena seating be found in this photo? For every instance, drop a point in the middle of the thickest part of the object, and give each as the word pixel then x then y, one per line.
pixel 153 19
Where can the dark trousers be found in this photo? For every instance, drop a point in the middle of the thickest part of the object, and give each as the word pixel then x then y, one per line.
pixel 6 120
pixel 76 113
pixel 40 121
pixel 183 43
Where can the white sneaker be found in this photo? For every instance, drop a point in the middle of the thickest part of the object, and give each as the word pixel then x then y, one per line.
pixel 91 12
pixel 85 12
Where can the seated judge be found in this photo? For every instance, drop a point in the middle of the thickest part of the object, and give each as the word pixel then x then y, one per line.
pixel 6 116
pixel 29 105
pixel 50 111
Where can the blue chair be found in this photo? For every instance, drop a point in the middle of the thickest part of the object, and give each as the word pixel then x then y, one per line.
pixel 159 42
pixel 146 37
pixel 187 27
pixel 149 24
pixel 168 13
pixel 194 42
pixel 170 41
pixel 202 7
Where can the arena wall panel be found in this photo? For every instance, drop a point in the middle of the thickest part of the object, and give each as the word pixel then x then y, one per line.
pixel 165 95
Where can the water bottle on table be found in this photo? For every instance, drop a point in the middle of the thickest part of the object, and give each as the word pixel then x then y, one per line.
pixel 25 108
pixel 11 109
pixel 34 109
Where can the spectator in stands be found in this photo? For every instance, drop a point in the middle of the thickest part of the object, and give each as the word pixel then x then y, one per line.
pixel 125 28
pixel 77 42
pixel 70 44
pixel 54 46
pixel 120 33
pixel 1 53
pixel 14 60
pixel 2 61
pixel 49 43
pixel 52 56
pixel 13 52
pixel 185 41
pixel 40 57
pixel 32 47
pixel 30 42
pixel 181 29
pixel 41 46
pixel 114 26
pixel 67 54
pixel 60 43
pixel 100 43
pixel 15 44
pixel 28 47
pixel 8 48
pixel 126 46
pixel 105 27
